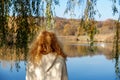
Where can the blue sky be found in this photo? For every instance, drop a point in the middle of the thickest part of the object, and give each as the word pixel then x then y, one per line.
pixel 104 7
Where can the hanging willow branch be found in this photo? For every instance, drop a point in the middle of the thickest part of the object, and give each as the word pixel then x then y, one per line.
pixel 116 43
pixel 50 13
pixel 70 7
pixel 88 22
pixel 24 13
pixel 4 9
pixel 116 10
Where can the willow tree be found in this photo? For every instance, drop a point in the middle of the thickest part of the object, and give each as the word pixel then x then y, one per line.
pixel 116 43
pixel 89 19
pixel 116 11
pixel 4 9
pixel 88 16
pixel 21 11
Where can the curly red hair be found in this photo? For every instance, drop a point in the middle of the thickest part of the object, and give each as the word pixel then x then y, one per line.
pixel 45 43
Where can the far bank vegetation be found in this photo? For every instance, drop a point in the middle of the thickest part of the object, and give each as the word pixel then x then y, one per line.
pixel 70 28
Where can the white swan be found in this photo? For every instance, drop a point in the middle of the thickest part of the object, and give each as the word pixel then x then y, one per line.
pixel 102 45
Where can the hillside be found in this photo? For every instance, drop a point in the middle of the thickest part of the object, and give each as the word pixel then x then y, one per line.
pixel 69 27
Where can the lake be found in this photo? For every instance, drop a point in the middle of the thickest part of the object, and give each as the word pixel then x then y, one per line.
pixel 83 63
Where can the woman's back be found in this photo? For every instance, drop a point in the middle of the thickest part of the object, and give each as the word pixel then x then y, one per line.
pixel 51 67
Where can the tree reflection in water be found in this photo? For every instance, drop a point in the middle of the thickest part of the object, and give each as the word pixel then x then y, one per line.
pixel 117 61
pixel 15 56
pixel 116 48
pixel 117 66
pixel 72 50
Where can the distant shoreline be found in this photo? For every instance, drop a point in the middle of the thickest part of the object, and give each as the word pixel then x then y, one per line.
pixel 85 39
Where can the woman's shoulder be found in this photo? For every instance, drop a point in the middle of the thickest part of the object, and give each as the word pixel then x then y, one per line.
pixel 49 55
pixel 54 54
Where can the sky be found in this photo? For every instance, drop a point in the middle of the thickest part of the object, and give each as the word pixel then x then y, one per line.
pixel 104 7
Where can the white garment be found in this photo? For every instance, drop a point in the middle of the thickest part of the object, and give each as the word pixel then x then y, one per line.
pixel 39 72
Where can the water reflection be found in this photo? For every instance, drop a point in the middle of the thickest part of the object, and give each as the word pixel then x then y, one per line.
pixel 117 63
pixel 6 73
pixel 14 57
pixel 117 68
pixel 75 50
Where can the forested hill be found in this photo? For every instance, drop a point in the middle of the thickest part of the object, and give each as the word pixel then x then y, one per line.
pixel 67 27
pixel 105 30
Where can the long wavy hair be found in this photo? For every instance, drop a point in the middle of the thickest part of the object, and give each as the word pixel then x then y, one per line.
pixel 45 43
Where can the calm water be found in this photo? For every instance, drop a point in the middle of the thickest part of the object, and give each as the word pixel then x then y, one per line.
pixel 82 64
